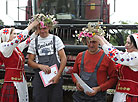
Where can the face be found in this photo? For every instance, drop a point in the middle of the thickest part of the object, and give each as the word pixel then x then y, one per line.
pixel 129 45
pixel 93 46
pixel 43 32
pixel 12 35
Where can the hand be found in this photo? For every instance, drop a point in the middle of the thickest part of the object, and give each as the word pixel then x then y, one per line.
pixel 97 37
pixel 55 79
pixel 45 68
pixel 96 89
pixel 37 31
pixel 78 86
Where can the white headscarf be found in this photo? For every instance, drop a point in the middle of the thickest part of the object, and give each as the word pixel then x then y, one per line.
pixel 136 38
pixel 5 34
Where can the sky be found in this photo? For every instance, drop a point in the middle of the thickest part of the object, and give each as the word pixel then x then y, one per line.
pixel 125 10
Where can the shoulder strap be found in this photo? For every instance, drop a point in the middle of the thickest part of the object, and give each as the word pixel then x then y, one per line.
pixel 82 61
pixel 54 44
pixel 36 42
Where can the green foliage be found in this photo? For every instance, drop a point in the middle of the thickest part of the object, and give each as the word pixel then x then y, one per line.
pixel 1 22
pixel 124 33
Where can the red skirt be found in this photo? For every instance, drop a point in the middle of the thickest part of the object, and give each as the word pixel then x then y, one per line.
pixel 130 98
pixel 8 93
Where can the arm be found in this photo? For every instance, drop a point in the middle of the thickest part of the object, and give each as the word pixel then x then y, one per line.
pixel 76 70
pixel 124 58
pixel 110 78
pixel 25 43
pixel 8 47
pixel 35 65
pixel 63 61
pixel 111 75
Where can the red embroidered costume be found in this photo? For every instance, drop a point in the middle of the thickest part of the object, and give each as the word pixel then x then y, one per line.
pixel 13 60
pixel 127 87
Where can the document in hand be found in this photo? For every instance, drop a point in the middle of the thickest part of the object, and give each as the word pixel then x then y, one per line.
pixel 83 84
pixel 47 77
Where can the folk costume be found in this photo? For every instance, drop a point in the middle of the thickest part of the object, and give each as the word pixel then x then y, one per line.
pixel 14 88
pixel 127 87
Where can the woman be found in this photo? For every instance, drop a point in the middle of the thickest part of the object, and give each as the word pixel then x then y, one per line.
pixel 15 86
pixel 127 87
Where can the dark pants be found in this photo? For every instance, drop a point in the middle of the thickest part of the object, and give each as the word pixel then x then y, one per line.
pixel 51 93
pixel 82 97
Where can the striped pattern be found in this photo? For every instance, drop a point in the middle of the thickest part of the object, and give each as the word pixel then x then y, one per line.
pixel 8 93
pixel 130 98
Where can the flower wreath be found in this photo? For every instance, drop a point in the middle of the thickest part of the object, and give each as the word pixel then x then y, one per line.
pixel 47 21
pixel 89 32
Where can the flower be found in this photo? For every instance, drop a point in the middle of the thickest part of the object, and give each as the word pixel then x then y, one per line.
pixel 45 20
pixel 90 31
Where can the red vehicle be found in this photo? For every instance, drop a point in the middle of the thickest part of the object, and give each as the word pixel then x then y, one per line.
pixel 95 10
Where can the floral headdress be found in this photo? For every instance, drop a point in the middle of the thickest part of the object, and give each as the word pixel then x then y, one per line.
pixel 89 31
pixel 47 21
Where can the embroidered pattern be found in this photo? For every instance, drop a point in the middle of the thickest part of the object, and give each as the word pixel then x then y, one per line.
pixel 115 59
pixel 20 36
pixel 122 59
pixel 28 40
pixel 16 41
pixel 5 31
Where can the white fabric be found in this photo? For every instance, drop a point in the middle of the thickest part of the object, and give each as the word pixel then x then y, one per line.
pixel 22 90
pixel 46 46
pixel 23 44
pixel 136 38
pixel 7 48
pixel 129 59
pixel 119 97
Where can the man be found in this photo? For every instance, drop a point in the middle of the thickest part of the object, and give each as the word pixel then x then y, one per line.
pixel 47 50
pixel 95 69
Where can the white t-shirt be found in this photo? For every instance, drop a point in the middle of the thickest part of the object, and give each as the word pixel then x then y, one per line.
pixel 45 46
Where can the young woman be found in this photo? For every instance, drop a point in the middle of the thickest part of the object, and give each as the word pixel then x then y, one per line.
pixel 14 88
pixel 127 87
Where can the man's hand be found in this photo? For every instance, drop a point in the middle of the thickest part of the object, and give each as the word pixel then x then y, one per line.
pixel 78 86
pixel 55 79
pixel 96 89
pixel 45 68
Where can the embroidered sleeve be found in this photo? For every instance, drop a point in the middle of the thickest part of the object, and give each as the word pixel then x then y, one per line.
pixel 8 47
pixel 25 43
pixel 124 58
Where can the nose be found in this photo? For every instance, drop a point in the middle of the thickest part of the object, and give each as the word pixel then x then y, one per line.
pixel 91 44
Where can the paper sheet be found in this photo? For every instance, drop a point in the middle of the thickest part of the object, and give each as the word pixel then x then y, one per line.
pixel 83 84
pixel 47 77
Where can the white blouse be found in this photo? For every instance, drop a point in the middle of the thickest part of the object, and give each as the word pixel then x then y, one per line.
pixel 7 47
pixel 124 58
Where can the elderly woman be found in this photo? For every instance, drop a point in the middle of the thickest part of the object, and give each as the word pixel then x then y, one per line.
pixel 14 88
pixel 127 87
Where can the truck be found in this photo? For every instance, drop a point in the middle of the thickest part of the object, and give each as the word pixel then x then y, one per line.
pixel 72 16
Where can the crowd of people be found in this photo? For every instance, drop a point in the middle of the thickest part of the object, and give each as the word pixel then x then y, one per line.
pixel 96 66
